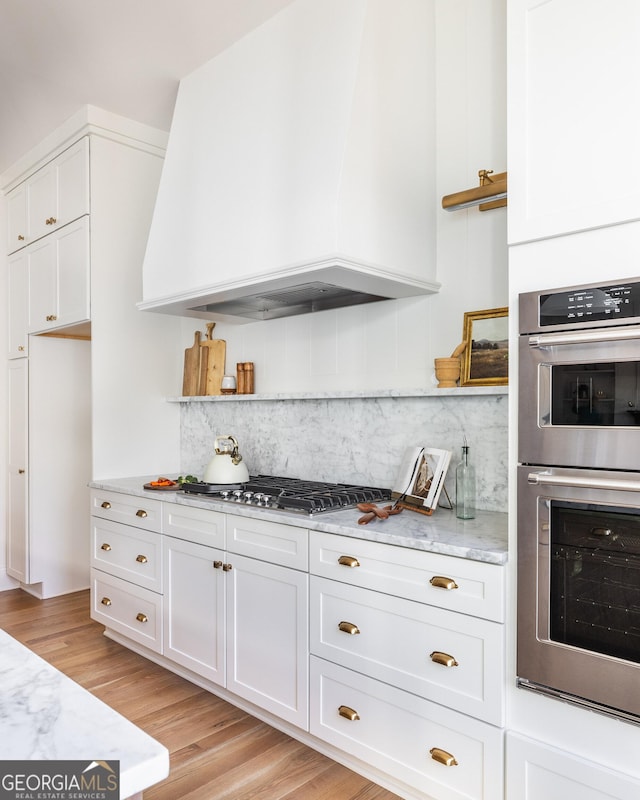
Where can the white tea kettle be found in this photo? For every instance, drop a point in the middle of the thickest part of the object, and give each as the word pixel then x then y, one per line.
pixel 227 465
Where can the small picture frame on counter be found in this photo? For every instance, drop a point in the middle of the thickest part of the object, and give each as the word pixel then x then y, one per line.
pixel 421 478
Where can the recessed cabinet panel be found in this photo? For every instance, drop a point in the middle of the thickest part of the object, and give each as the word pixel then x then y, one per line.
pixel 127 552
pixel 18 300
pixel 142 512
pixel 59 278
pixel 433 749
pixel 17 228
pixel 18 434
pixel 194 617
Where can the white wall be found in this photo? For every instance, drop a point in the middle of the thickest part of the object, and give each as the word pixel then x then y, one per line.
pixel 392 344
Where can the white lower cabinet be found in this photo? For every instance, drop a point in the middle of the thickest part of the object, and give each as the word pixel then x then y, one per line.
pixel 267 636
pixel 446 755
pixel 194 619
pixel 537 771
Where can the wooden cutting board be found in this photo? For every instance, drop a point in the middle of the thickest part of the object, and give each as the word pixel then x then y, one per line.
pixel 216 350
pixel 191 375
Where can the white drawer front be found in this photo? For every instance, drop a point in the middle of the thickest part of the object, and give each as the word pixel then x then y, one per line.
pixel 127 552
pixel 142 512
pixel 456 584
pixel 199 525
pixel 287 545
pixel 396 732
pixel 450 658
pixel 127 609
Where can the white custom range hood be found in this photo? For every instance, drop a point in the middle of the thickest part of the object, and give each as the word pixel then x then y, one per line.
pixel 299 174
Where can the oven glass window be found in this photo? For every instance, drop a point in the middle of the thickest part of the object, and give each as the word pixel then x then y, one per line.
pixel 601 394
pixel 595 579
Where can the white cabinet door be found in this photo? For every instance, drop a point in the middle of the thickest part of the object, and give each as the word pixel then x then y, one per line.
pixel 17 218
pixel 59 279
pixel 267 644
pixel 18 299
pixel 194 610
pixel 58 193
pixel 536 771
pixel 573 128
pixel 17 530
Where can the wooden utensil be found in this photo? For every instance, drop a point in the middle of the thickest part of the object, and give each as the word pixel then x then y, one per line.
pixel 216 352
pixel 191 375
pixel 459 350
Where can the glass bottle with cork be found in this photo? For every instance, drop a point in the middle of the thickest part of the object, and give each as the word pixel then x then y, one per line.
pixel 465 486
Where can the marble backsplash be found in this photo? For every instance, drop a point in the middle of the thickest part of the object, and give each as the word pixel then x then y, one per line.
pixel 354 439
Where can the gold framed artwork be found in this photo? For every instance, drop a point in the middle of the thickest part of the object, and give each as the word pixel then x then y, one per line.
pixel 485 360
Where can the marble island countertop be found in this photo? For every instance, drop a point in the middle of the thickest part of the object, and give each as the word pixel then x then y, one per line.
pixel 44 715
pixel 481 539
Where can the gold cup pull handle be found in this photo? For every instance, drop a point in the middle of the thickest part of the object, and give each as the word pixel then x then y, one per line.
pixel 106 601
pixel 348 561
pixel 443 658
pixel 106 547
pixel 50 221
pixel 348 713
pixel 106 505
pixel 141 513
pixel 348 627
pixel 141 559
pixel 442 757
pixel 440 582
pixel 142 617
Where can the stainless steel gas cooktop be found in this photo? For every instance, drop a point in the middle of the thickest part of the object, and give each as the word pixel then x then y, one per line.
pixel 290 494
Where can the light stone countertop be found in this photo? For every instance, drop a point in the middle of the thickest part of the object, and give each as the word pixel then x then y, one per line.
pixel 481 539
pixel 44 715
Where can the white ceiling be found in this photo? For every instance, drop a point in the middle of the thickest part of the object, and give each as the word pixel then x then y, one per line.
pixel 125 56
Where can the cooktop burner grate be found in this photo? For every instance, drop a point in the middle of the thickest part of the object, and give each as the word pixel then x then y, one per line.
pixel 291 494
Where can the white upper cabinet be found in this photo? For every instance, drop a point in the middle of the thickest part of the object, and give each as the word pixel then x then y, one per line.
pixel 55 195
pixel 574 127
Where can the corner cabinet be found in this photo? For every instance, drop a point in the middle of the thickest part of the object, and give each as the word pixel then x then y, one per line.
pixel 570 169
pixel 387 659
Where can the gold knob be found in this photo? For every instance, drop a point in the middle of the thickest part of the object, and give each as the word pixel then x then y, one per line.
pixel 50 221
pixel 51 317
pixel 141 513
pixel 141 559
pixel 105 547
pixel 442 757
pixel 226 567
pixel 443 658
pixel 20 348
pixel 106 505
pixel 20 472
pixel 348 561
pixel 142 617
pixel 348 627
pixel 217 564
pixel 20 237
pixel 105 601
pixel 443 583
pixel 348 713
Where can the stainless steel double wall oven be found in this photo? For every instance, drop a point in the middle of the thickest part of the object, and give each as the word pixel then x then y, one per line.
pixel 579 496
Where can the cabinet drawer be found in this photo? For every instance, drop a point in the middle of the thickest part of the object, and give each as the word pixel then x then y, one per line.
pixel 404 735
pixel 126 552
pixel 141 512
pixel 130 610
pixel 456 584
pixel 287 545
pixel 199 525
pixel 450 658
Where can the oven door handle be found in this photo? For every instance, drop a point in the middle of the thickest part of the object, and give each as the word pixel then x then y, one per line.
pixel 631 332
pixel 549 479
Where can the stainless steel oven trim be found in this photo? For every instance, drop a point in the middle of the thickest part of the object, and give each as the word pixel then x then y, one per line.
pixel 616 334
pixel 604 681
pixel 540 442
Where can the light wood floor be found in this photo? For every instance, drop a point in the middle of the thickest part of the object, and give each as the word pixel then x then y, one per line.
pixel 216 750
